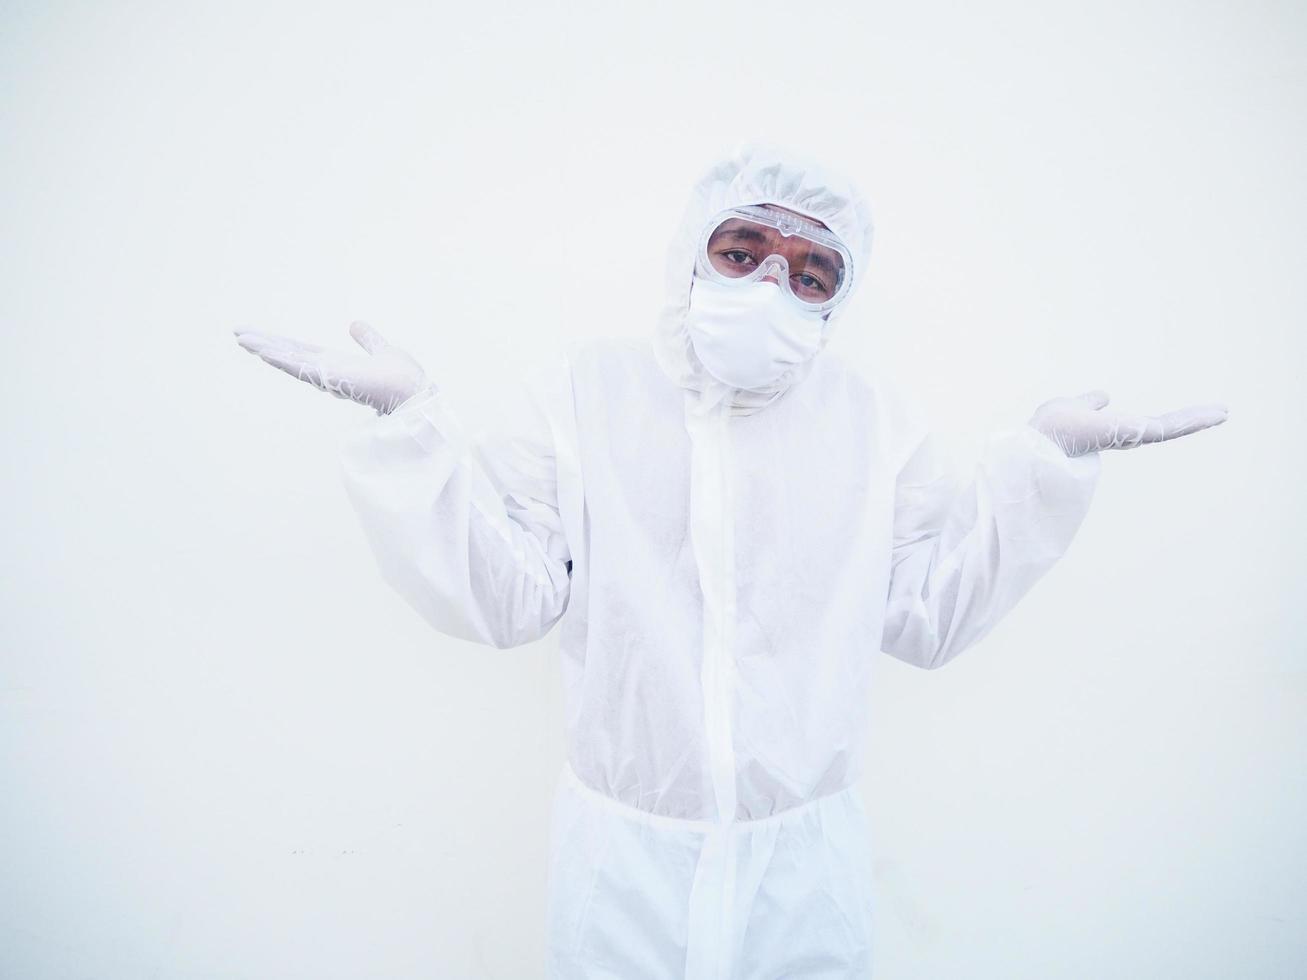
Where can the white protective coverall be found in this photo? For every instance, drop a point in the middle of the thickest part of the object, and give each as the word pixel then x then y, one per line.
pixel 723 566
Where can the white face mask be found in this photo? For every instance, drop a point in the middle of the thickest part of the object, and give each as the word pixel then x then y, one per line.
pixel 747 335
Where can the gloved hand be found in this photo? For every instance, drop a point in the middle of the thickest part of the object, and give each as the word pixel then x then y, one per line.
pixel 1079 426
pixel 383 379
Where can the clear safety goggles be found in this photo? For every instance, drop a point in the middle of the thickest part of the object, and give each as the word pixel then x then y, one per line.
pixel 750 243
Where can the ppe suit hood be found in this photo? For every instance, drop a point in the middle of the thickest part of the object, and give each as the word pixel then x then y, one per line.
pixel 754 175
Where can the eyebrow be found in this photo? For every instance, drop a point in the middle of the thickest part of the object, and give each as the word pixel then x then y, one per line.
pixel 814 258
pixel 752 234
pixel 823 262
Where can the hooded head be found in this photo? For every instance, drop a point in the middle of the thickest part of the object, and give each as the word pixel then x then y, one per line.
pixel 754 175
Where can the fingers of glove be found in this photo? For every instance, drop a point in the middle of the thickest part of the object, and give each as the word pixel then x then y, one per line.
pixel 304 367
pixel 1186 421
pixel 256 343
pixel 368 338
pixel 292 363
pixel 1130 431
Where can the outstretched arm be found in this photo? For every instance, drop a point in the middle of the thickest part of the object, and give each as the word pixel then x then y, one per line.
pixel 465 528
pixel 965 552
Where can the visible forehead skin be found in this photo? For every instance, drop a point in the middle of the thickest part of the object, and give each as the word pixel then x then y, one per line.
pixel 800 253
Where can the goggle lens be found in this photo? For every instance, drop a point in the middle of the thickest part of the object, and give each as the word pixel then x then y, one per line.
pixel 740 248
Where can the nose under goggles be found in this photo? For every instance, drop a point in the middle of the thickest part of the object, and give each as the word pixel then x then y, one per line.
pixel 750 243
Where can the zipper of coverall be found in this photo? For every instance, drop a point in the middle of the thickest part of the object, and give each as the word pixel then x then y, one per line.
pixel 727 681
pixel 713 894
pixel 719 661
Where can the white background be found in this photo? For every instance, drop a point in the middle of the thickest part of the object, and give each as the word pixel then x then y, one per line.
pixel 228 751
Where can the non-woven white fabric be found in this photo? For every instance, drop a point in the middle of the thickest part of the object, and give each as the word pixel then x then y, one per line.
pixel 722 570
pixel 755 175
pixel 747 334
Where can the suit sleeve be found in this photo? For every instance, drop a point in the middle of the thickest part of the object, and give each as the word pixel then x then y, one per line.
pixel 466 527
pixel 965 550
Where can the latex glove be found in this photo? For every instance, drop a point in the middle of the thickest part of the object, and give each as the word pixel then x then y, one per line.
pixel 1079 425
pixel 383 378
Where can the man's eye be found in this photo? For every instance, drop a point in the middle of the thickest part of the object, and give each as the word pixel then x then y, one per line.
pixel 738 256
pixel 809 284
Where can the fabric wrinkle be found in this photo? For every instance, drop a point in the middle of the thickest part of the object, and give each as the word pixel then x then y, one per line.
pixel 721 566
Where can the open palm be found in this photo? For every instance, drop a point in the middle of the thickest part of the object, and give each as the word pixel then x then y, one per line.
pixel 383 378
pixel 1079 425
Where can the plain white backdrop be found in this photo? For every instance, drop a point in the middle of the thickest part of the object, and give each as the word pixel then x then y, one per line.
pixel 228 751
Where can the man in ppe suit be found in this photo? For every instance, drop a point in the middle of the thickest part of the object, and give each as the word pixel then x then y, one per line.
pixel 727 523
